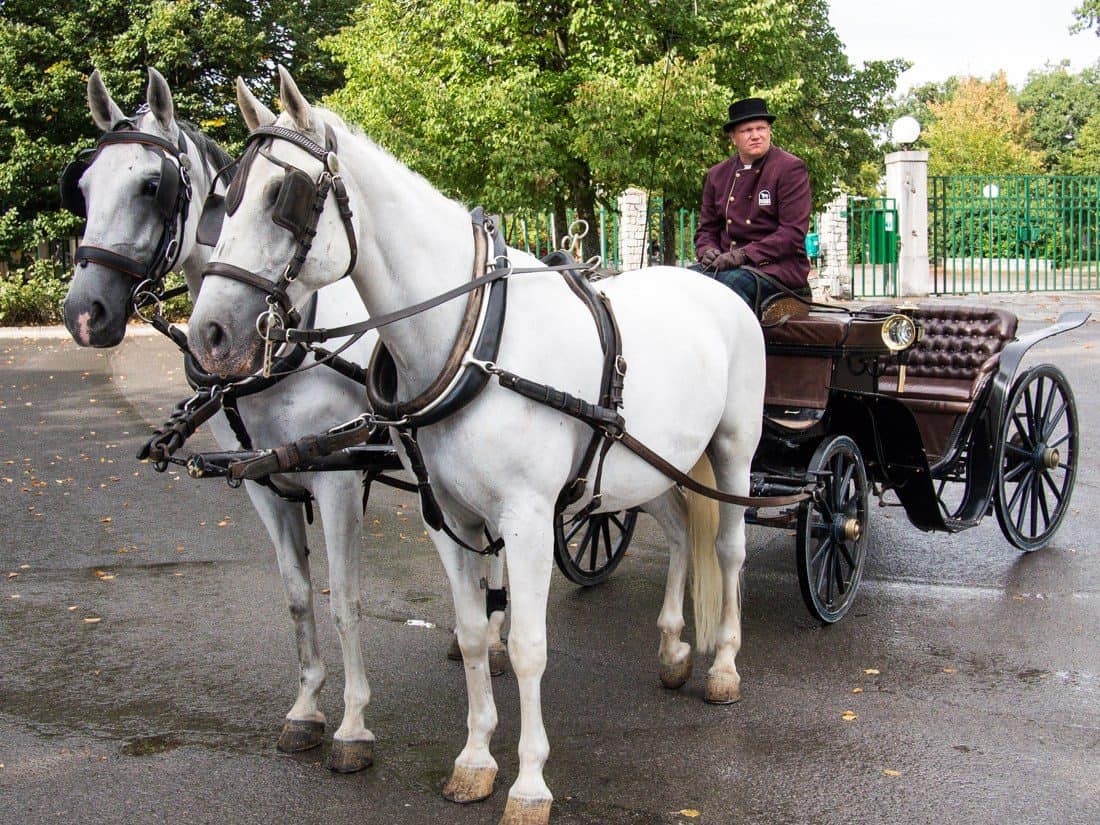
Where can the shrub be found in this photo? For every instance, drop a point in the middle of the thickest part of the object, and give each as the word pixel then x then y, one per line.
pixel 32 294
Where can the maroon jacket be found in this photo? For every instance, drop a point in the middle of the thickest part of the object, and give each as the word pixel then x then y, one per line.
pixel 764 210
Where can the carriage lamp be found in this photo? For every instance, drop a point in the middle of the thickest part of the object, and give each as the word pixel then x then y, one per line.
pixel 899 333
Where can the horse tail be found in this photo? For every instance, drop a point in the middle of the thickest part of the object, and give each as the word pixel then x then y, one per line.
pixel 706 573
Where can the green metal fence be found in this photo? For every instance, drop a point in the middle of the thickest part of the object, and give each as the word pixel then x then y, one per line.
pixel 537 232
pixel 1014 233
pixel 873 247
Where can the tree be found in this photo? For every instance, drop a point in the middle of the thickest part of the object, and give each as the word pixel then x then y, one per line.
pixel 1085 157
pixel 1060 103
pixel 1088 17
pixel 520 104
pixel 48 50
pixel 980 130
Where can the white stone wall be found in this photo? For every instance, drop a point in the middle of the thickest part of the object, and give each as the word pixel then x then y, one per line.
pixel 633 248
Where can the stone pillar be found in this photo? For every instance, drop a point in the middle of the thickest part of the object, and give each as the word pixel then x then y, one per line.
pixel 834 274
pixel 633 249
pixel 907 184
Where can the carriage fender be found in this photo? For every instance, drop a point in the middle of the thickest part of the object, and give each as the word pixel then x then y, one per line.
pixel 1013 354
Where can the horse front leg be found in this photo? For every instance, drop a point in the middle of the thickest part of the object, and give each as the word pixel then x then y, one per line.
pixel 285 523
pixel 674 655
pixel 496 594
pixel 529 537
pixel 475 769
pixel 339 499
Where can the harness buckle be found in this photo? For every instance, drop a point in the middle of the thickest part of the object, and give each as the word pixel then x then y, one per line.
pixel 620 366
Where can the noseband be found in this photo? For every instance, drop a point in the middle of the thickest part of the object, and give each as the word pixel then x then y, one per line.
pixel 297 209
pixel 173 199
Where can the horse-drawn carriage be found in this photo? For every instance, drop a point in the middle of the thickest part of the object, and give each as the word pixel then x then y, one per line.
pixel 920 403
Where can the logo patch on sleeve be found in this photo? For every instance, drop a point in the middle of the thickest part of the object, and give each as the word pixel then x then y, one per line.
pixel 764 198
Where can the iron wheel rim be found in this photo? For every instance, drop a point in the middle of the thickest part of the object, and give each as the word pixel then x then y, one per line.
pixel 588 549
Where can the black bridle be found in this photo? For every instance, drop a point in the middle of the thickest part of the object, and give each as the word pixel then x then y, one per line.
pixel 173 200
pixel 297 209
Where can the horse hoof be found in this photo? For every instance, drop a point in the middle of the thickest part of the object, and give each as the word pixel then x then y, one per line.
pixel 675 677
pixel 723 689
pixel 498 660
pixel 300 735
pixel 350 756
pixel 526 811
pixel 454 652
pixel 469 784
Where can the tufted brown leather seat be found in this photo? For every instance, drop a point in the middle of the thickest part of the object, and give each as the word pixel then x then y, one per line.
pixel 949 367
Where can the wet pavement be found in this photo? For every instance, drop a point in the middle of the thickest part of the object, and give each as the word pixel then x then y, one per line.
pixel 972 670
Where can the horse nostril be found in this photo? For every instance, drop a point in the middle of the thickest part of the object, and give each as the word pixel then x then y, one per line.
pixel 215 337
pixel 96 314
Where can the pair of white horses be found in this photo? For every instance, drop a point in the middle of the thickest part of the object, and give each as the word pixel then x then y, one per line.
pixel 694 389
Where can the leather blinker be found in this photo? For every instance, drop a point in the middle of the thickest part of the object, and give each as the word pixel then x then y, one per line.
pixel 295 201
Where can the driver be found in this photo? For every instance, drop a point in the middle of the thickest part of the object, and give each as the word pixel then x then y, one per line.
pixel 755 210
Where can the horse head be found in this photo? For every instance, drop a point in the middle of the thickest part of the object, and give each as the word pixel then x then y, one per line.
pixel 288 231
pixel 140 190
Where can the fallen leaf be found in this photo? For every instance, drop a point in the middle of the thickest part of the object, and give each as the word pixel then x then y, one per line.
pixel 325 591
pixel 690 813
pixel 24 567
pixel 12 576
pixel 16 596
pixel 92 620
pixel 870 671
pixel 857 690
pixel 848 716
pixel 223 523
pixel 71 608
pixel 950 670
pixel 891 772
pixel 105 520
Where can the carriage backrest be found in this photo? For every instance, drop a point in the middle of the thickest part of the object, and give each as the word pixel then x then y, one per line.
pixel 959 343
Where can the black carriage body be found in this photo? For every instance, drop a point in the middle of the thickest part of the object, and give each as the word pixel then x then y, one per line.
pixel 832 375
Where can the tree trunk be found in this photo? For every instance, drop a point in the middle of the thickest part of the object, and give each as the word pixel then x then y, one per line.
pixel 584 200
pixel 669 247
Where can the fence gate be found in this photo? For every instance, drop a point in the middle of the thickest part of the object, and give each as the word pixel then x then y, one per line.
pixel 873 247
pixel 1014 233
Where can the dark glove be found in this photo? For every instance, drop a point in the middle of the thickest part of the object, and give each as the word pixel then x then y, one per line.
pixel 730 260
pixel 708 255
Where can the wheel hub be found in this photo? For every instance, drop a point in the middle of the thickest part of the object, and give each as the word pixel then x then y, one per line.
pixel 846 528
pixel 1050 458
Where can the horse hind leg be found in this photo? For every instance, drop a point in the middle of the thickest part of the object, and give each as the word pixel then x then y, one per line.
pixel 732 464
pixel 285 523
pixel 342 520
pixel 674 655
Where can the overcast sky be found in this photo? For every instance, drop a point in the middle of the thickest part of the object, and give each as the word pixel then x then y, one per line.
pixel 975 37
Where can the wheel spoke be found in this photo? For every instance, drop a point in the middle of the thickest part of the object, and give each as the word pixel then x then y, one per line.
pixel 840 588
pixel 1034 508
pixel 1015 471
pixel 827 569
pixel 609 547
pixel 574 527
pixel 618 523
pixel 821 549
pixel 1025 485
pixel 1053 422
pixel 1029 411
pixel 1041 497
pixel 1054 488
pixel 1021 430
pixel 847 556
pixel 1045 417
pixel 842 490
pixel 585 542
pixel 1059 442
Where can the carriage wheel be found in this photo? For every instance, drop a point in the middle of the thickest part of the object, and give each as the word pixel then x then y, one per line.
pixel 588 548
pixel 832 529
pixel 1036 457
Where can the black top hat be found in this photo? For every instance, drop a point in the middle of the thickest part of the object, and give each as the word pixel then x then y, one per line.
pixel 751 108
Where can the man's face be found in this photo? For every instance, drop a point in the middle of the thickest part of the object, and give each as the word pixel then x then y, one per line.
pixel 753 139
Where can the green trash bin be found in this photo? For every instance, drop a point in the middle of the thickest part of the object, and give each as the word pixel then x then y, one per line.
pixel 883 241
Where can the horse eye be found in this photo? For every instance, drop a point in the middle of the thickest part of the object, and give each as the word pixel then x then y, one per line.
pixel 149 187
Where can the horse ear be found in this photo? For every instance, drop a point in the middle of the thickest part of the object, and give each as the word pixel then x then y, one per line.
pixel 105 112
pixel 159 98
pixel 254 113
pixel 294 102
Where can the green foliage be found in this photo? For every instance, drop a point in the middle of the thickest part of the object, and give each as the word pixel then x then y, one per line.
pixel 1088 17
pixel 520 104
pixel 980 130
pixel 32 294
pixel 48 50
pixel 1085 157
pixel 1060 103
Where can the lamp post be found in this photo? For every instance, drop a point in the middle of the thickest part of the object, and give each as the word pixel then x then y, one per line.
pixel 907 185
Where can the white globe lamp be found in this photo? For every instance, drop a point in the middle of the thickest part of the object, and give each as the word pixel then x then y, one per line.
pixel 905 130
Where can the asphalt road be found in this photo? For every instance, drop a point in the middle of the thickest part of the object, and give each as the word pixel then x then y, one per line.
pixel 972 670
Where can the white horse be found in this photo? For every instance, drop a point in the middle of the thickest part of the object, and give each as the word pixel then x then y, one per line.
pixel 119 190
pixel 694 387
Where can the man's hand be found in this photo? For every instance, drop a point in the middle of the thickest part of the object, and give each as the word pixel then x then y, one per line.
pixel 730 260
pixel 708 256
